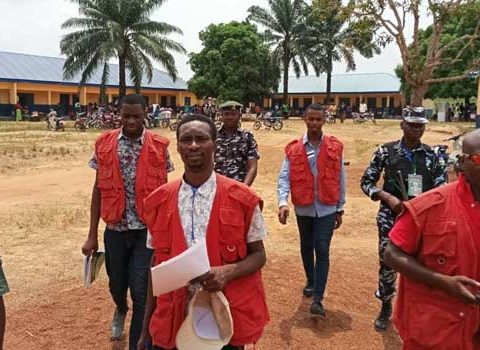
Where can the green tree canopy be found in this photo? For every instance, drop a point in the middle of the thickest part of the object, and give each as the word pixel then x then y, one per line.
pixel 334 34
pixel 284 24
pixel 457 26
pixel 234 64
pixel 119 29
pixel 459 58
pixel 423 60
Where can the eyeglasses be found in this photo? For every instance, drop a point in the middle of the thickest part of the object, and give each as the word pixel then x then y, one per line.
pixel 475 158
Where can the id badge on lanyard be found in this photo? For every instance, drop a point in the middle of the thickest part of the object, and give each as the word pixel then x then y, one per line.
pixel 415 185
pixel 415 182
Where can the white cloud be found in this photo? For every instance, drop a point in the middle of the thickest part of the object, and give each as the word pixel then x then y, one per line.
pixel 33 26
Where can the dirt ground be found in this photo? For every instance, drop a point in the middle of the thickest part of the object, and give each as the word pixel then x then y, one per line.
pixel 45 189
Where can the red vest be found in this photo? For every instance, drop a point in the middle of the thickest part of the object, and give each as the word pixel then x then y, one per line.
pixel 328 172
pixel 428 318
pixel 230 218
pixel 151 173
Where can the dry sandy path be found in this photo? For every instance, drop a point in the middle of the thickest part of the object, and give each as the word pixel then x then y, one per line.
pixel 44 211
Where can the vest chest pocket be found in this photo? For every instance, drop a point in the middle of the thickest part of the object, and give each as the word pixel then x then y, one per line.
pixel 332 170
pixel 161 238
pixel 232 252
pixel 105 175
pixel 439 248
pixel 155 177
pixel 298 170
pixel 232 237
pixel 105 166
pixel 104 154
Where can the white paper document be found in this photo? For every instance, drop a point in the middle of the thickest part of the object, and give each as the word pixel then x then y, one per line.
pixel 91 267
pixel 178 271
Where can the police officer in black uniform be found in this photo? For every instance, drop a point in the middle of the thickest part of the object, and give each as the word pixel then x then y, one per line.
pixel 410 168
pixel 236 154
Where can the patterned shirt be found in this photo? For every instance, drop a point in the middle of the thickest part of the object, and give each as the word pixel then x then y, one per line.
pixel 380 161
pixel 233 152
pixel 128 154
pixel 195 205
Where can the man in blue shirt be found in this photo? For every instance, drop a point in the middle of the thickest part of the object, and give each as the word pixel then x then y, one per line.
pixel 313 171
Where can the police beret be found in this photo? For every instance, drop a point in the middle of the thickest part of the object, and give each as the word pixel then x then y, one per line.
pixel 415 119
pixel 230 105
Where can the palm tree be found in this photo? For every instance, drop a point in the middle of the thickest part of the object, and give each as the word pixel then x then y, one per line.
pixel 331 37
pixel 118 29
pixel 285 28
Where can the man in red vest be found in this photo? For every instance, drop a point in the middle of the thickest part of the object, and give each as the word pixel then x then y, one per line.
pixel 130 163
pixel 313 172
pixel 205 205
pixel 435 245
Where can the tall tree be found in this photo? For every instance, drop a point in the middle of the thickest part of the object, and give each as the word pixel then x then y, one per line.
pixel 284 24
pixel 456 26
pixel 404 87
pixel 234 64
pixel 118 29
pixel 334 35
pixel 398 17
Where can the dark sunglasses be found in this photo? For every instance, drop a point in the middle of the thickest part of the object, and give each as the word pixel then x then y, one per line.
pixel 474 158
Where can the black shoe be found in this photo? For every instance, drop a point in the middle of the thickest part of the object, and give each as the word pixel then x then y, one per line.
pixel 308 291
pixel 316 309
pixel 381 323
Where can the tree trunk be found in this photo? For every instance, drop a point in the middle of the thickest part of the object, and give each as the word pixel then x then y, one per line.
pixel 418 93
pixel 286 62
pixel 329 77
pixel 329 86
pixel 122 85
pixel 103 94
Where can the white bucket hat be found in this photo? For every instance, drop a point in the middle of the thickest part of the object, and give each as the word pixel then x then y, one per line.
pixel 208 325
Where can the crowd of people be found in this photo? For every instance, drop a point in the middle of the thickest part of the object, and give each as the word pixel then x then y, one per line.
pixel 459 112
pixel 428 230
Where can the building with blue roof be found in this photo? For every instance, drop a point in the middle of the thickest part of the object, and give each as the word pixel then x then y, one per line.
pixel 379 90
pixel 37 83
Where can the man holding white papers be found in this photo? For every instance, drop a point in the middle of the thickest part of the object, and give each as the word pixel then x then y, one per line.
pixel 130 163
pixel 205 205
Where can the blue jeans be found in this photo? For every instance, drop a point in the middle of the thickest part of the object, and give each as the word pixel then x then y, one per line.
pixel 315 237
pixel 127 260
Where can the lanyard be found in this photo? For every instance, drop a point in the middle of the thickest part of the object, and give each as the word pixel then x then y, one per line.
pixel 410 155
pixel 192 232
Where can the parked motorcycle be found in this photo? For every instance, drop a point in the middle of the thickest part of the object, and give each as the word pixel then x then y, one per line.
pixel 360 118
pixel 174 125
pixel 329 119
pixel 148 121
pixel 81 122
pixel 453 160
pixel 54 122
pixel 269 121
